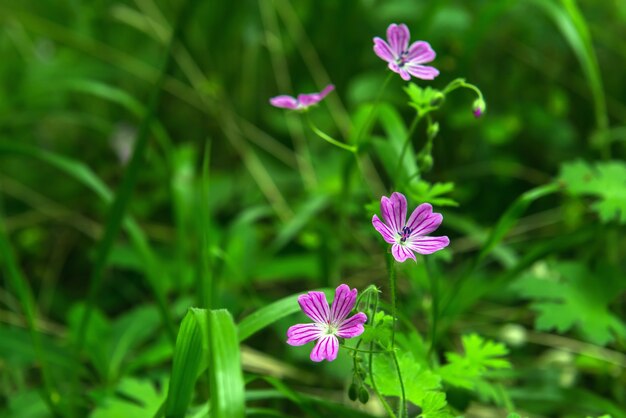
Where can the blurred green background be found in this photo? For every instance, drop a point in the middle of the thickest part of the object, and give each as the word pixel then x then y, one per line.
pixel 233 204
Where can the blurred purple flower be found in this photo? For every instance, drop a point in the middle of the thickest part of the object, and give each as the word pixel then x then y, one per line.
pixel 408 236
pixel 404 59
pixel 328 323
pixel 303 101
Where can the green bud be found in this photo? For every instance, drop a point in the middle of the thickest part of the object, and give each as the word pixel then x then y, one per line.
pixel 364 395
pixel 352 392
pixel 437 99
pixel 433 130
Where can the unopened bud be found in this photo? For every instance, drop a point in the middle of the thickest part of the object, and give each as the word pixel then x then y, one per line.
pixel 364 395
pixel 479 106
pixel 352 392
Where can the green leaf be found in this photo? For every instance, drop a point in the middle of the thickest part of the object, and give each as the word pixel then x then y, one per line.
pixel 418 382
pixel 380 332
pixel 133 398
pixel 423 191
pixel 604 180
pixel 190 354
pixel 567 295
pixel 260 319
pixel 226 376
pixel 469 370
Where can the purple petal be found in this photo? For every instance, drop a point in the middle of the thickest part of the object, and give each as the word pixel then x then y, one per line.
pixel 401 253
pixel 398 38
pixel 421 71
pixel 343 303
pixel 383 50
pixel 353 326
pixel 315 307
pixel 428 245
pixel 393 210
pixel 303 333
pixel 285 102
pixel 423 221
pixel 310 99
pixel 420 52
pixel 326 348
pixel 383 229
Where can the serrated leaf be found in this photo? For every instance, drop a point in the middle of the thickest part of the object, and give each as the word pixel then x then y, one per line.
pixel 479 356
pixel 423 191
pixel 567 295
pixel 603 180
pixel 418 382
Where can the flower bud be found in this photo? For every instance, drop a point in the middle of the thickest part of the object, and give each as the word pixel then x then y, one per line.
pixel 479 106
pixel 364 395
pixel 352 392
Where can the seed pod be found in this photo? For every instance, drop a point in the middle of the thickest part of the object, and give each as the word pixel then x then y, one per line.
pixel 364 395
pixel 352 392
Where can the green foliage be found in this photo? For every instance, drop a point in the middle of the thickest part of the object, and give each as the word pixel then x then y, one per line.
pixel 422 191
pixel 424 99
pixel 422 386
pixel 380 333
pixel 133 397
pixel 606 181
pixel 567 295
pixel 471 370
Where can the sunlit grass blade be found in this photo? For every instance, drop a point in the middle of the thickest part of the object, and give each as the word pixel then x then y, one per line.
pixel 227 385
pixel 269 314
pixel 189 356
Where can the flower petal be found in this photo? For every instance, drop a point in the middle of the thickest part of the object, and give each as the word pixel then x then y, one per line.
pixel 384 230
pixel 428 245
pixel 398 38
pixel 315 306
pixel 393 210
pixel 303 333
pixel 285 102
pixel 353 326
pixel 421 71
pixel 383 50
pixel 420 52
pixel 327 348
pixel 310 99
pixel 423 221
pixel 401 253
pixel 343 303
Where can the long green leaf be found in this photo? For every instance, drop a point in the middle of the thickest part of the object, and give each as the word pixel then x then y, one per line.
pixel 260 319
pixel 189 355
pixel 227 385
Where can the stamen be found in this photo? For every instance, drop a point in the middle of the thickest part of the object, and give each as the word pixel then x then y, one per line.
pixel 406 232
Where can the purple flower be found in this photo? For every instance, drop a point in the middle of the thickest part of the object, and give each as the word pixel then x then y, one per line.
pixel 404 59
pixel 408 236
pixel 303 101
pixel 328 323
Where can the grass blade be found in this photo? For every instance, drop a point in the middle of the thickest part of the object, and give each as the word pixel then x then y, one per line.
pixel 227 385
pixel 260 319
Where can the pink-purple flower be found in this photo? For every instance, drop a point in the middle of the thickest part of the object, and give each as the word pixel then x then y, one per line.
pixel 409 236
pixel 403 58
pixel 303 101
pixel 328 323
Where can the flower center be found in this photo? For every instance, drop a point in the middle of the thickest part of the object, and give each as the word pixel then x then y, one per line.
pixel 402 59
pixel 406 232
pixel 330 329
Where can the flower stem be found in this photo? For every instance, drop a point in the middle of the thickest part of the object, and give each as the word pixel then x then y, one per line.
pixel 371 364
pixel 372 112
pixel 434 292
pixel 392 287
pixel 460 83
pixel 402 411
pixel 407 141
pixel 330 139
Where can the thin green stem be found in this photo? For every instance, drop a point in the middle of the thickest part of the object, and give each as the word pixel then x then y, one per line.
pixel 371 368
pixel 392 287
pixel 330 139
pixel 370 116
pixel 434 292
pixel 407 141
pixel 402 411
pixel 356 350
